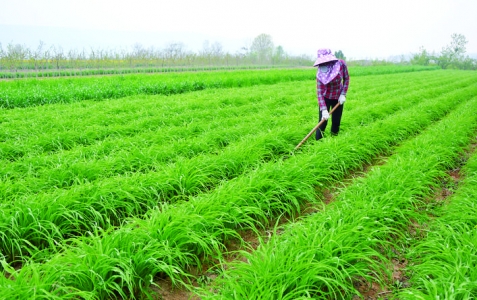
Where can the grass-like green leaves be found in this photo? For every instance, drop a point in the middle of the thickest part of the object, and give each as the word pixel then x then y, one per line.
pixel 32 91
pixel 327 253
pixel 445 260
pixel 46 218
pixel 161 188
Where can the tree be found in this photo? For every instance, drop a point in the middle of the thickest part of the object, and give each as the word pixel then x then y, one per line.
pixel 15 55
pixel 36 56
pixel 278 55
pixel 174 52
pixel 58 55
pixel 262 47
pixel 457 45
pixel 339 54
pixel 467 63
pixel 217 50
pixel 138 51
pixel 451 56
pixel 422 58
pixel 73 58
pixel 210 51
pixel 2 57
pixel 206 51
pixel 453 53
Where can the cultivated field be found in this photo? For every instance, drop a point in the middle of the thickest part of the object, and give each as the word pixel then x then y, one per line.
pixel 185 185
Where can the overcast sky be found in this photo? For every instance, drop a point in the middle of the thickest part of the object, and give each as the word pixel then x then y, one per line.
pixel 359 28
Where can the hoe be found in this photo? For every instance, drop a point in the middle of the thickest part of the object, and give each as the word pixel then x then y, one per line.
pixel 315 128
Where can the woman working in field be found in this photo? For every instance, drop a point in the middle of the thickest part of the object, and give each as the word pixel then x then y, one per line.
pixel 332 81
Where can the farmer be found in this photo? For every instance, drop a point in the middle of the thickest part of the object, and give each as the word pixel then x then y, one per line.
pixel 332 81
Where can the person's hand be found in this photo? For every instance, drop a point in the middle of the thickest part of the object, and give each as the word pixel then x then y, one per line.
pixel 342 99
pixel 325 115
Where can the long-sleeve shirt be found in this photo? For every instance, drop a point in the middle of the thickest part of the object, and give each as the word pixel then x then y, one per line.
pixel 336 87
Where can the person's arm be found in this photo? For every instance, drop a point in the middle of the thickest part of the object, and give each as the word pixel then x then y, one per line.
pixel 345 75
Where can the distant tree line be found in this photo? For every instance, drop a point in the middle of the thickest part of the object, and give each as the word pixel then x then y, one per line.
pixel 452 56
pixel 262 51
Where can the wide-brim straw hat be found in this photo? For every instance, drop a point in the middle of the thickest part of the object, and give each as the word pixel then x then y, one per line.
pixel 324 56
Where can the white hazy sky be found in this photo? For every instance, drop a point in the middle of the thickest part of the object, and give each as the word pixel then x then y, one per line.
pixel 360 28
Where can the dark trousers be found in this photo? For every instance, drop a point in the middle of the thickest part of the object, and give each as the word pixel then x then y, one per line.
pixel 335 119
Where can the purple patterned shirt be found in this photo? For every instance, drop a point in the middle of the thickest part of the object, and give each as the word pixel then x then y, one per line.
pixel 336 87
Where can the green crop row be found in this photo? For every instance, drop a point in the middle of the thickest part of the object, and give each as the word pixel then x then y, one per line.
pixel 32 92
pixel 445 261
pixel 129 152
pixel 41 219
pixel 64 127
pixel 328 253
pixel 205 131
pixel 122 71
pixel 108 135
pixel 172 238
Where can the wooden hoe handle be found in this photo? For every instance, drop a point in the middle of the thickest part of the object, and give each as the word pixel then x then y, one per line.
pixel 315 128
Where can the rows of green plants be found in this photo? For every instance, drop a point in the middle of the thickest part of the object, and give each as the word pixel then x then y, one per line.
pixel 351 240
pixel 31 92
pixel 173 237
pixel 41 220
pixel 145 149
pixel 121 71
pixel 64 127
pixel 53 72
pixel 151 128
pixel 110 133
pixel 444 263
pixel 36 221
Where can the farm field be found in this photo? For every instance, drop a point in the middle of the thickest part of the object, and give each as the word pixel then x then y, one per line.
pixel 120 187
